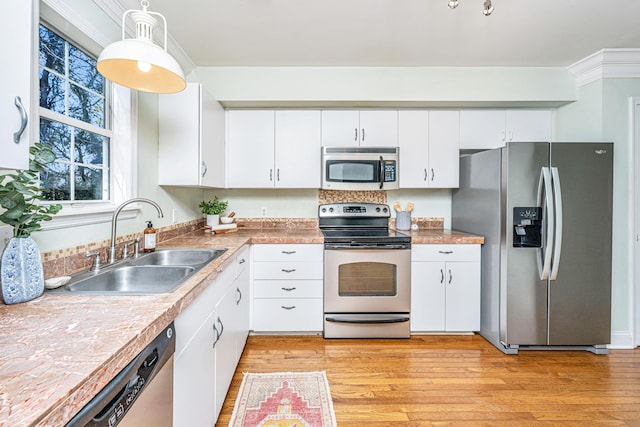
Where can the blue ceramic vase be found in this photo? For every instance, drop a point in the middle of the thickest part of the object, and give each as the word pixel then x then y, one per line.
pixel 21 271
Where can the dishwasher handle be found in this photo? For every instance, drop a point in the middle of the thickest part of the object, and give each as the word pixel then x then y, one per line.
pixel 110 405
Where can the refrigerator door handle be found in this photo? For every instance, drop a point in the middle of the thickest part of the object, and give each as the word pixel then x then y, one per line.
pixel 544 253
pixel 557 245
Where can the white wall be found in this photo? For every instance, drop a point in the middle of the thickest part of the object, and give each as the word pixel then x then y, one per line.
pixel 385 86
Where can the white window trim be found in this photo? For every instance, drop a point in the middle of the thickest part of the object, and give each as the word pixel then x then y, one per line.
pixel 124 139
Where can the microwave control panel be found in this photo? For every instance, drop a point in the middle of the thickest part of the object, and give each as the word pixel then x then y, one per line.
pixel 389 170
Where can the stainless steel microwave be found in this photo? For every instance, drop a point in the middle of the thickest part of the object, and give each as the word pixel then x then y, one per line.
pixel 360 168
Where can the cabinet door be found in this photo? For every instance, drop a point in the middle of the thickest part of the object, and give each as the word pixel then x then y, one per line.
pixel 413 140
pixel 379 128
pixel 211 166
pixel 250 139
pixel 444 152
pixel 179 137
pixel 462 296
pixel 225 346
pixel 297 155
pixel 340 128
pixel 427 296
pixel 243 309
pixel 194 379
pixel 482 129
pixel 526 125
pixel 18 23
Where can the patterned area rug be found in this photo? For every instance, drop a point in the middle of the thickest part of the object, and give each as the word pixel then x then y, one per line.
pixel 284 399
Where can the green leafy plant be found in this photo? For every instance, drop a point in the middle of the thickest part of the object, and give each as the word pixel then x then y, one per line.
pixel 21 192
pixel 213 207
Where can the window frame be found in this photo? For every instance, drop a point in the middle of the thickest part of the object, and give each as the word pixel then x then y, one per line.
pixel 121 114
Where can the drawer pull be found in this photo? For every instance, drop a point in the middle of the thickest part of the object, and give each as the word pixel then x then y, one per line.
pixel 291 307
pixel 288 289
pixel 289 271
pixel 288 252
pixel 445 252
pixel 242 261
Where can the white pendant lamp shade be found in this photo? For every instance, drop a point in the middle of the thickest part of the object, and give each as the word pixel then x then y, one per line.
pixel 139 63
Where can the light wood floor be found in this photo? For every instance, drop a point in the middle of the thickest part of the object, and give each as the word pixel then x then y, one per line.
pixel 454 380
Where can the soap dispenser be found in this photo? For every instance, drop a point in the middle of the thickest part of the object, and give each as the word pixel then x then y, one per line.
pixel 149 238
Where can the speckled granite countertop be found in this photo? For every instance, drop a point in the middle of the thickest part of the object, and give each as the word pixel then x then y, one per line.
pixel 58 351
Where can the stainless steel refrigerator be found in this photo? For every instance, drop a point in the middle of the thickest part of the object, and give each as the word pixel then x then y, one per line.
pixel 545 211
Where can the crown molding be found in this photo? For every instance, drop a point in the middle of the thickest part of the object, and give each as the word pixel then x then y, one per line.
pixel 606 64
pixel 116 8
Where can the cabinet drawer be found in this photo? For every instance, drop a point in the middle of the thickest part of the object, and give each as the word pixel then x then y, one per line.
pixel 242 260
pixel 287 289
pixel 445 253
pixel 288 270
pixel 288 253
pixel 289 315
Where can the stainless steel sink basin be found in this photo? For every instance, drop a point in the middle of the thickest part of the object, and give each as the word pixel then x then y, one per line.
pixel 162 271
pixel 192 257
pixel 134 280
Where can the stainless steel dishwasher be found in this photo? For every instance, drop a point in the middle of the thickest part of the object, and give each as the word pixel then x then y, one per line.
pixel 141 394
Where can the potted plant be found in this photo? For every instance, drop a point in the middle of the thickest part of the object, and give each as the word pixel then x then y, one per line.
pixel 213 209
pixel 20 193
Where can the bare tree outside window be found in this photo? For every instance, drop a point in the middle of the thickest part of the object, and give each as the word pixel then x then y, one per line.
pixel 73 121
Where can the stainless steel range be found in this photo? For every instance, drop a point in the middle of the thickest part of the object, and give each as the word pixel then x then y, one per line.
pixel 367 272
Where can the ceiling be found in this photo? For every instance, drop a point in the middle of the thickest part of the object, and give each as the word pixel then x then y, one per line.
pixel 400 33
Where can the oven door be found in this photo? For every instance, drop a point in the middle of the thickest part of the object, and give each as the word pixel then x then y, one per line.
pixel 367 280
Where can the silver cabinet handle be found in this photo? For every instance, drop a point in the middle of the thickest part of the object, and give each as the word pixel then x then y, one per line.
pixel 441 276
pixel 24 119
pixel 450 276
pixel 217 337
pixel 291 307
pixel 278 175
pixel 426 174
pixel 288 252
pixel 356 132
pixel 242 261
pixel 288 270
pixel 433 174
pixel 445 252
pixel 218 334
pixel 239 296
pixel 363 134
pixel 288 289
pixel 204 168
pixel 270 174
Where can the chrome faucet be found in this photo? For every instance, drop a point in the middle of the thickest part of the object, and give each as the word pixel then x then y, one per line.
pixel 114 219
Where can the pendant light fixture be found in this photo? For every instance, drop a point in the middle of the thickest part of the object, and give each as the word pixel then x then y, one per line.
pixel 139 63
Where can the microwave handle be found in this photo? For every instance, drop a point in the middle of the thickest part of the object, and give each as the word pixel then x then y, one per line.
pixel 381 172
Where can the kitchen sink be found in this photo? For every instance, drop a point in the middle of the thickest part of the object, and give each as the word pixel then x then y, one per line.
pixel 192 257
pixel 162 271
pixel 134 280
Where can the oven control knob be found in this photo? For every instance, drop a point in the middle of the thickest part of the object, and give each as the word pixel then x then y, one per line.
pixel 378 209
pixel 330 209
pixel 323 210
pixel 384 210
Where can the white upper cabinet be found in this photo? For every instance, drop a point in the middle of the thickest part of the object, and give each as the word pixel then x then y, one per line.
pixel 377 128
pixel 297 149
pixel 17 28
pixel 428 141
pixel 192 139
pixel 270 148
pixel 490 128
pixel 250 139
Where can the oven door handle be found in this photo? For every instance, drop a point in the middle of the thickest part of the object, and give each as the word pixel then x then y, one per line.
pixel 368 320
pixel 381 172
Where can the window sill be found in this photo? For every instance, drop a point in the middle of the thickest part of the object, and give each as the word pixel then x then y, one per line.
pixel 71 216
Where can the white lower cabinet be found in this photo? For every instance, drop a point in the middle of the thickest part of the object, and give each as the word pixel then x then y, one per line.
pixel 445 288
pixel 210 337
pixel 287 288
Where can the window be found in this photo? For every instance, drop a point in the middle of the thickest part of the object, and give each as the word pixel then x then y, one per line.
pixel 74 121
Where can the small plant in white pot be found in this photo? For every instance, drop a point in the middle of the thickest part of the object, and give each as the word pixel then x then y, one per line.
pixel 20 195
pixel 213 209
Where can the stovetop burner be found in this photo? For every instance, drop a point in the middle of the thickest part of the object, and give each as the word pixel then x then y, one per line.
pixel 359 224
